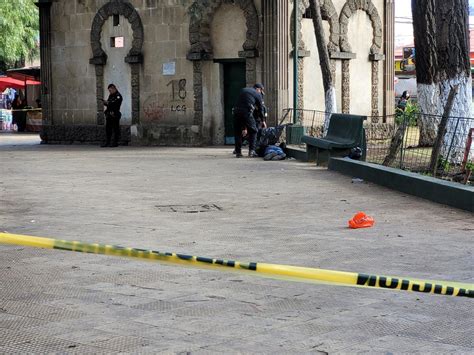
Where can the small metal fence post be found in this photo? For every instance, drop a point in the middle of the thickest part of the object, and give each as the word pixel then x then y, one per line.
pixel 404 128
pixel 452 142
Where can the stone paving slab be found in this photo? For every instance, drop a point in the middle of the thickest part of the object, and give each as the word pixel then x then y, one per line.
pixel 284 212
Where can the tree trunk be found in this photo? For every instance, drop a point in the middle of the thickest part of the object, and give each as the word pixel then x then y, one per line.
pixel 442 131
pixel 395 144
pixel 442 61
pixel 328 82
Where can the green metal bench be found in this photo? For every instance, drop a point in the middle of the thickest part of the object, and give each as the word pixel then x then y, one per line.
pixel 344 133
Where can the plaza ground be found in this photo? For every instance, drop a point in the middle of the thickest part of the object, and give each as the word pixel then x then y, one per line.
pixel 279 212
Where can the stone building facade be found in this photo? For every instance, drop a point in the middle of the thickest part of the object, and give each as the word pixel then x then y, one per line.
pixel 179 64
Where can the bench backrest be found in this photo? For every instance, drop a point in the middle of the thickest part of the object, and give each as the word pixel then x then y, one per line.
pixel 345 127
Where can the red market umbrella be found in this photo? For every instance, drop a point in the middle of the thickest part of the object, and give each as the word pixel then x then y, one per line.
pixel 6 82
pixel 33 82
pixel 26 73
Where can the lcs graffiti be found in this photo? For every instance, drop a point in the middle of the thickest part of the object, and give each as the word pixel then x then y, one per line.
pixel 178 108
pixel 178 93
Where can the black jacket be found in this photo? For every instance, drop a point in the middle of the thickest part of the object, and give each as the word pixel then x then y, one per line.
pixel 113 105
pixel 250 102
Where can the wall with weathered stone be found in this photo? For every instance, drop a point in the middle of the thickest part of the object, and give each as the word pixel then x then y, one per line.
pixel 73 78
pixel 175 95
pixel 228 34
pixel 313 98
pixel 360 37
pixel 228 30
pixel 116 71
pixel 361 66
pixel 166 76
pixel 360 34
pixel 166 94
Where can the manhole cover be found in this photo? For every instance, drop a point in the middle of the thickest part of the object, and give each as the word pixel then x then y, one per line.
pixel 189 208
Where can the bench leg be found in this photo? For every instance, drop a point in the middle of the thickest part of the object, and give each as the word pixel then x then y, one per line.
pixel 322 157
pixel 311 153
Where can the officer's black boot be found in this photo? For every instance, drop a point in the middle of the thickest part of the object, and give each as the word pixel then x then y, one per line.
pixel 108 132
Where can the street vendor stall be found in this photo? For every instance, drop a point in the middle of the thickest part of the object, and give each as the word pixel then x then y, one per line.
pixel 34 120
pixel 22 117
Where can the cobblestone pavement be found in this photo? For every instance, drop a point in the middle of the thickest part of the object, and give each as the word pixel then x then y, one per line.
pixel 282 212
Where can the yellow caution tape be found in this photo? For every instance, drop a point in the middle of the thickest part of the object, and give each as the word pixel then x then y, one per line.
pixel 275 271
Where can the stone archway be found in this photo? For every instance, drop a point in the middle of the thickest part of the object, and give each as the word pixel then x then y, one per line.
pixel 375 55
pixel 134 56
pixel 201 16
pixel 329 14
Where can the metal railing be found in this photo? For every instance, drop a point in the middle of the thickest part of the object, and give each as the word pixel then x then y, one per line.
pixel 404 141
pixel 412 147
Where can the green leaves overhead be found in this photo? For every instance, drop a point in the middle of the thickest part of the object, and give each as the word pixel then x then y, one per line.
pixel 19 30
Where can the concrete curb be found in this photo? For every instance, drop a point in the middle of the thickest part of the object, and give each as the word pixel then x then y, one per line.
pixel 298 154
pixel 436 190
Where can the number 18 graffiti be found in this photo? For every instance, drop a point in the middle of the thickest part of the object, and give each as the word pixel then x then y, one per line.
pixel 178 89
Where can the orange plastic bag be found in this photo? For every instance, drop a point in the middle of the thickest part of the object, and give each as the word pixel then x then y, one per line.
pixel 361 220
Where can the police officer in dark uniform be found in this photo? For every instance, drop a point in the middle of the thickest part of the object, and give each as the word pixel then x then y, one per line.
pixel 112 116
pixel 249 107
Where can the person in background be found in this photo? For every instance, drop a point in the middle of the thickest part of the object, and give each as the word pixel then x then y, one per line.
pixel 112 116
pixel 18 116
pixel 402 103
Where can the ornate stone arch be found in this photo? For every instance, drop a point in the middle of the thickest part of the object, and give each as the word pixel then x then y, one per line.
pixel 329 14
pixel 134 57
pixel 350 7
pixel 375 55
pixel 201 16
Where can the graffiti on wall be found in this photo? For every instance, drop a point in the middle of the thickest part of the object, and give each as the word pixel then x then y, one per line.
pixel 153 110
pixel 159 107
pixel 178 94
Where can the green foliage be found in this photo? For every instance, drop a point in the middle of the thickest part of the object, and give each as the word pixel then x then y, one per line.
pixel 412 110
pixel 443 164
pixel 470 166
pixel 19 31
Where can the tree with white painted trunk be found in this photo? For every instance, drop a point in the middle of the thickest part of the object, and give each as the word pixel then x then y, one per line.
pixel 441 32
pixel 328 82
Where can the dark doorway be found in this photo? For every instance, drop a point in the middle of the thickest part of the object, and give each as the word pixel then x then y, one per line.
pixel 234 81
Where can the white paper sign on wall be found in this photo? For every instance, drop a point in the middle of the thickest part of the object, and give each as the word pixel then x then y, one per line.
pixel 169 68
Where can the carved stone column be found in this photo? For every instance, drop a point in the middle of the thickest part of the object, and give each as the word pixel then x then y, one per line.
pixel 197 83
pixel 375 91
pixel 389 68
pixel 345 57
pixel 135 92
pixel 375 58
pixel 275 56
pixel 99 83
pixel 45 54
pixel 300 82
pixel 346 86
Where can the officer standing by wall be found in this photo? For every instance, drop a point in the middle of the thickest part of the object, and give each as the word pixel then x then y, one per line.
pixel 112 116
pixel 249 106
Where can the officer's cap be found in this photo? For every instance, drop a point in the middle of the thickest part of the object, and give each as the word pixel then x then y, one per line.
pixel 259 86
